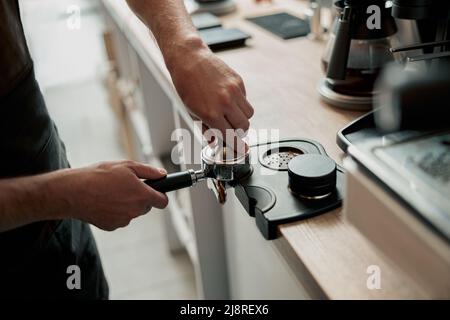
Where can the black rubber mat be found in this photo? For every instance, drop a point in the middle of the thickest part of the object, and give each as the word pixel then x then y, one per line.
pixel 221 39
pixel 205 20
pixel 283 24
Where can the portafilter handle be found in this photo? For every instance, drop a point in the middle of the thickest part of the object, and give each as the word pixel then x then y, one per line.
pixel 176 181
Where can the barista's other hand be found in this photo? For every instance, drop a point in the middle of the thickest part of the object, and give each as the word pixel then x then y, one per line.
pixel 210 89
pixel 109 195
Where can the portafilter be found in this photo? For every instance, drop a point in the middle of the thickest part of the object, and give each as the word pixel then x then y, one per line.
pixel 218 162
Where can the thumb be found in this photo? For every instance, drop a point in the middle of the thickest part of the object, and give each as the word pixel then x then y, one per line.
pixel 144 171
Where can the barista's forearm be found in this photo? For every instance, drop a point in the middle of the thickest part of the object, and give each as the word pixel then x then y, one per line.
pixel 171 26
pixel 31 199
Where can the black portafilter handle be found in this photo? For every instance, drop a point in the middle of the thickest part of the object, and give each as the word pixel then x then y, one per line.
pixel 175 181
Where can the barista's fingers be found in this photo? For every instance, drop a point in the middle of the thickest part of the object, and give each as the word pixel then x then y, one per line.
pixel 234 137
pixel 209 137
pixel 230 137
pixel 242 87
pixel 237 118
pixel 218 129
pixel 144 171
pixel 245 106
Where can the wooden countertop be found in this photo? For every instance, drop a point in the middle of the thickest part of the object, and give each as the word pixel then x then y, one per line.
pixel 281 79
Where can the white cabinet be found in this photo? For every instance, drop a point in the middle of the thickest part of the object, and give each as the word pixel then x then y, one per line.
pixel 256 268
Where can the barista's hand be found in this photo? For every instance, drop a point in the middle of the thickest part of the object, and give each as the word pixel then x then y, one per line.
pixel 109 195
pixel 211 90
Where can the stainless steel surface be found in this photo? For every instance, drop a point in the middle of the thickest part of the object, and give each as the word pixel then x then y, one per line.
pixel 197 176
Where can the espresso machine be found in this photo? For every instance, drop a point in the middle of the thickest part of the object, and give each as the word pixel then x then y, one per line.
pixel 398 163
pixel 426 60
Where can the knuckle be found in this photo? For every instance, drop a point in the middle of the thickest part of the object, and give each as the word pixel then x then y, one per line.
pixel 210 115
pixel 234 88
pixel 103 165
pixel 224 97
pixel 239 82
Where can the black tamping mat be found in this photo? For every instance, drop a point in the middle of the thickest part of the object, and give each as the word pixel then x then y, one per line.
pixel 282 24
pixel 291 180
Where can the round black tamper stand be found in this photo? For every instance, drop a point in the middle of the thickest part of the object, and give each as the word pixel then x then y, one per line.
pixel 312 176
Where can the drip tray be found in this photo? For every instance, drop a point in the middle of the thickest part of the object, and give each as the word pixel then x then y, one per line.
pixel 266 195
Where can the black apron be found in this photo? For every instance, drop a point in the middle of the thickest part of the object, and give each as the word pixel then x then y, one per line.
pixel 35 260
